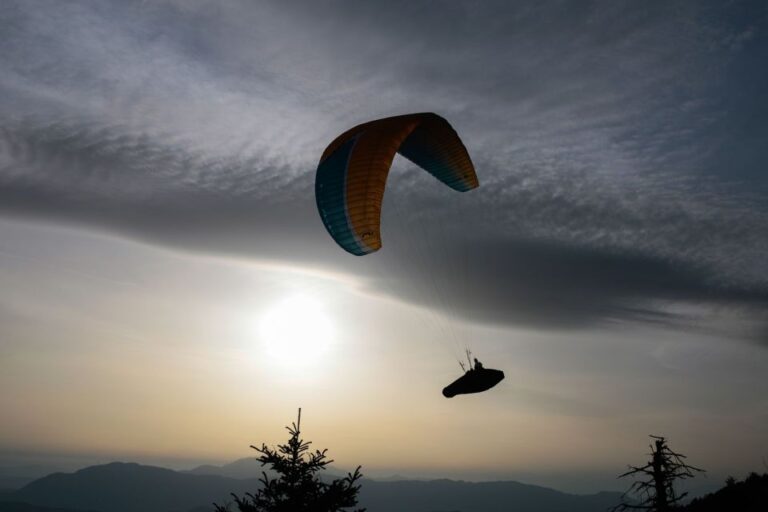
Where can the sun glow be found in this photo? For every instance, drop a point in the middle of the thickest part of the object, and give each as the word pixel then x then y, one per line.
pixel 296 333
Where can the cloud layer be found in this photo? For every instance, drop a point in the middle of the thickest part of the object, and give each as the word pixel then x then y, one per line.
pixel 619 145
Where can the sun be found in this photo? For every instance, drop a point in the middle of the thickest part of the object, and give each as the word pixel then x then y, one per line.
pixel 296 332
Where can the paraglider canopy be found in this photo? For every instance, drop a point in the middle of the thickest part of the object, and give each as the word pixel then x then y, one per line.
pixel 352 173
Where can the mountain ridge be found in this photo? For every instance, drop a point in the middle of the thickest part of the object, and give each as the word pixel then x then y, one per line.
pixel 132 487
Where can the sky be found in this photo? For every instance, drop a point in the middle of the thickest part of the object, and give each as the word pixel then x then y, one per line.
pixel 157 220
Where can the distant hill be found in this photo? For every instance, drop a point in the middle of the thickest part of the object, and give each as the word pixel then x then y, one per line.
pixel 122 487
pixel 246 468
pixel 128 487
pixel 16 477
pixel 14 482
pixel 749 495
pixel 241 468
pixel 450 495
pixel 26 507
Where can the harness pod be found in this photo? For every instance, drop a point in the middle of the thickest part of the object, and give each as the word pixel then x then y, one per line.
pixel 474 381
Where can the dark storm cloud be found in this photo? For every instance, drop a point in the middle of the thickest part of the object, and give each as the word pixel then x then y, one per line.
pixel 619 144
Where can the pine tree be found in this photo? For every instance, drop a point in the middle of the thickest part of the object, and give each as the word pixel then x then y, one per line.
pixel 655 485
pixel 297 488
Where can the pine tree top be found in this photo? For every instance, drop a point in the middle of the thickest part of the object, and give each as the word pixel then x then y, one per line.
pixel 297 487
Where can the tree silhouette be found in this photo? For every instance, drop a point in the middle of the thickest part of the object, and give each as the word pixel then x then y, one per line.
pixel 298 487
pixel 748 495
pixel 655 485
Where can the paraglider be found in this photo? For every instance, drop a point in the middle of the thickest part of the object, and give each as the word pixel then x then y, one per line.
pixel 350 182
pixel 474 380
pixel 352 173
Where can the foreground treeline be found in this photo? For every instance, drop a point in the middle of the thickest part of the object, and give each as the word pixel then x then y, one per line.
pixel 748 495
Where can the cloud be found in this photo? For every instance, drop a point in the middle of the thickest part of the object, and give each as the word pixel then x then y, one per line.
pixel 602 134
